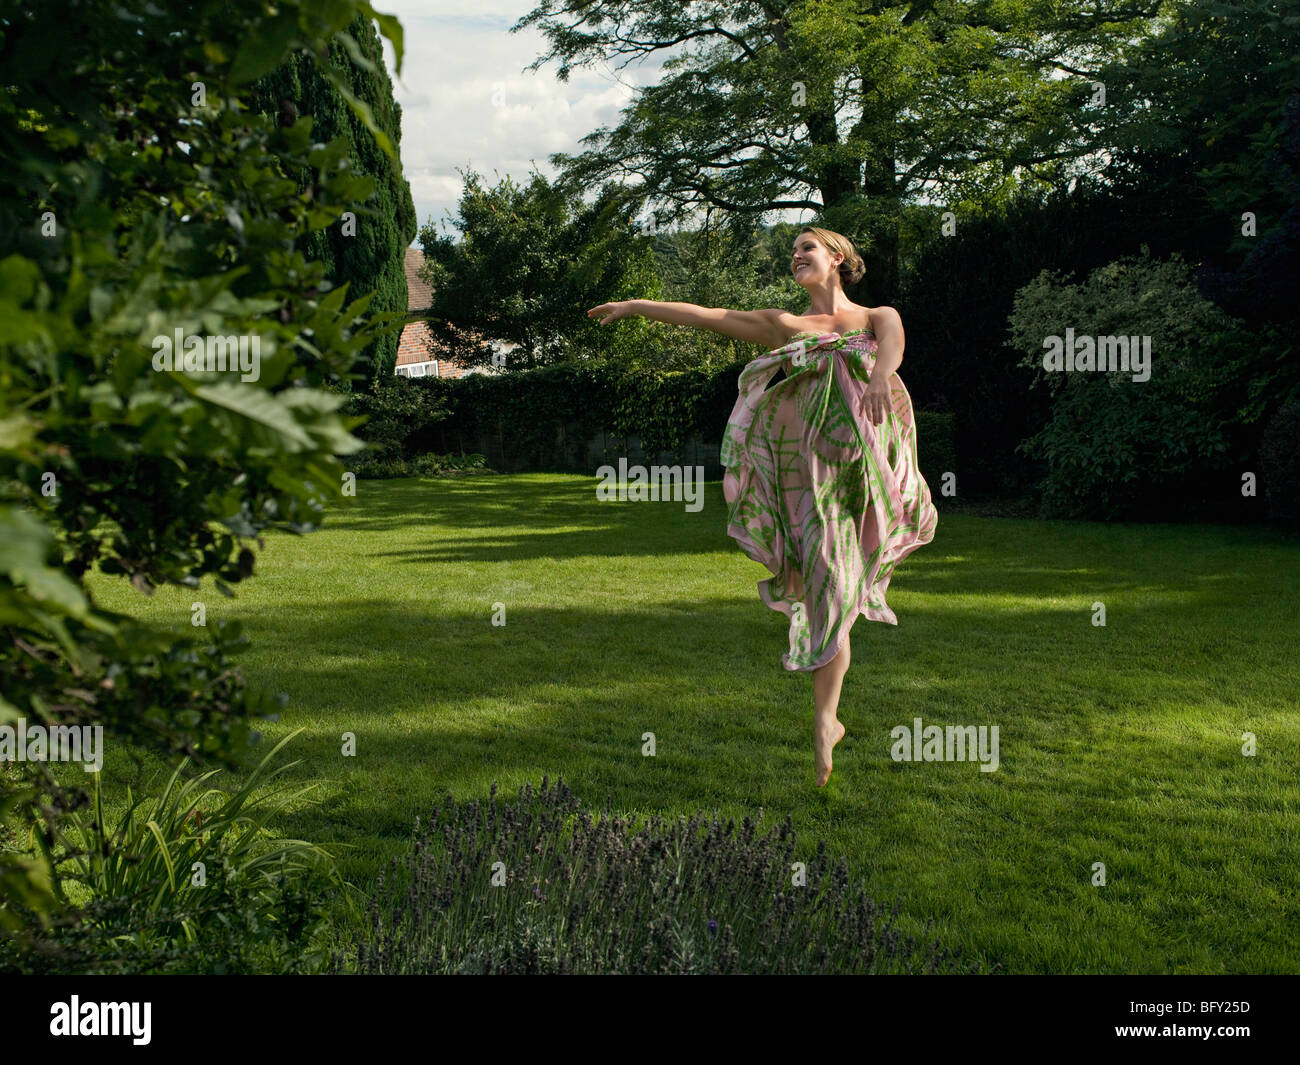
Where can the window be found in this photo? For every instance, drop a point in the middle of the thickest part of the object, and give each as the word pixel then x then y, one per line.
pixel 417 369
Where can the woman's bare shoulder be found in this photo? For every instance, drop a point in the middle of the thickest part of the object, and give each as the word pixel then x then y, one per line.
pixel 787 321
pixel 786 325
pixel 860 318
pixel 885 318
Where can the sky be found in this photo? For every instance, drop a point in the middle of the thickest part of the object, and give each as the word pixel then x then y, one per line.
pixel 468 102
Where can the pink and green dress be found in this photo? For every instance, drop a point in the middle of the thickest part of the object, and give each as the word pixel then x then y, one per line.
pixel 827 501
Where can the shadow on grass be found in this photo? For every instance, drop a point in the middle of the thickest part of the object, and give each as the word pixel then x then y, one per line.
pixel 969 557
pixel 448 702
pixel 538 518
pixel 1121 742
pixel 962 559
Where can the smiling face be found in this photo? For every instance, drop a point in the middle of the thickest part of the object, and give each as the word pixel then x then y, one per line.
pixel 811 263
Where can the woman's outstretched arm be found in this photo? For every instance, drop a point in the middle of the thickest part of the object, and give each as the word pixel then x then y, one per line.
pixel 754 327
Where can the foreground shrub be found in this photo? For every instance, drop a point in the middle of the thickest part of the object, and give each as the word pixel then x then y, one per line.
pixel 575 894
pixel 187 882
pixel 145 210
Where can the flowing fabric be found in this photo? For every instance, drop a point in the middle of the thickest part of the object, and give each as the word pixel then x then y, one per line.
pixel 827 501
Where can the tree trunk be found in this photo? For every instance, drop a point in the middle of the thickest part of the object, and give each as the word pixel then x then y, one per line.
pixel 837 181
pixel 879 284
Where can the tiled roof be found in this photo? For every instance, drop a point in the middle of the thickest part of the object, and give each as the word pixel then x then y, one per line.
pixel 419 295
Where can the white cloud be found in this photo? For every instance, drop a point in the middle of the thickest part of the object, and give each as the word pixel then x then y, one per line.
pixel 468 102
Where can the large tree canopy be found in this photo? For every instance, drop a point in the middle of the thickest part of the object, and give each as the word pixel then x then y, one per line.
pixel 1219 139
pixel 850 108
pixel 532 258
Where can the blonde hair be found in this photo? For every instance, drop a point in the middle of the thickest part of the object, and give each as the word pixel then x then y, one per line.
pixel 852 267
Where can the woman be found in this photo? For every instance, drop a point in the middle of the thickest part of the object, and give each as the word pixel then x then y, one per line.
pixel 822 483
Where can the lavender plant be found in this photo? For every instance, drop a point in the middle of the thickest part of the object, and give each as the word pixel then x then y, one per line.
pixel 541 886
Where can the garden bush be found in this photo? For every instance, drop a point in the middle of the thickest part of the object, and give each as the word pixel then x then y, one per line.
pixel 957 291
pixel 396 413
pixel 1279 463
pixel 541 419
pixel 540 886
pixel 1115 447
pixel 429 465
pixel 186 882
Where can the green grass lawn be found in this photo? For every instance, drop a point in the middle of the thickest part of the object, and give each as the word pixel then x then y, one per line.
pixel 1118 744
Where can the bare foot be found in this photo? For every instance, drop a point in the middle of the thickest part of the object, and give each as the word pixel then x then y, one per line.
pixel 823 743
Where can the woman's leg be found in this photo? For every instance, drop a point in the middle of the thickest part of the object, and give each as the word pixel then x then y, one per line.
pixel 827 728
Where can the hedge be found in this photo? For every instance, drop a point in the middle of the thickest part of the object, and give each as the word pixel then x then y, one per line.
pixel 575 417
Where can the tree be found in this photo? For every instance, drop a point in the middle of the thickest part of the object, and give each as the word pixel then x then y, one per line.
pixel 531 261
pixel 142 200
pixel 367 253
pixel 1220 137
pixel 716 267
pixel 848 108
pixel 1215 85
pixel 1207 143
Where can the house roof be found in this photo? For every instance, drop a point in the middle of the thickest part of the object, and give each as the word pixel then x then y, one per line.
pixel 412 345
pixel 419 296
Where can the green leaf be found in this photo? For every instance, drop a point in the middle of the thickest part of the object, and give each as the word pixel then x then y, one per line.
pixel 18 279
pixel 163 852
pixel 266 46
pixel 390 28
pixel 333 301
pixel 258 406
pixel 24 545
pixel 354 50
pixel 16 430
